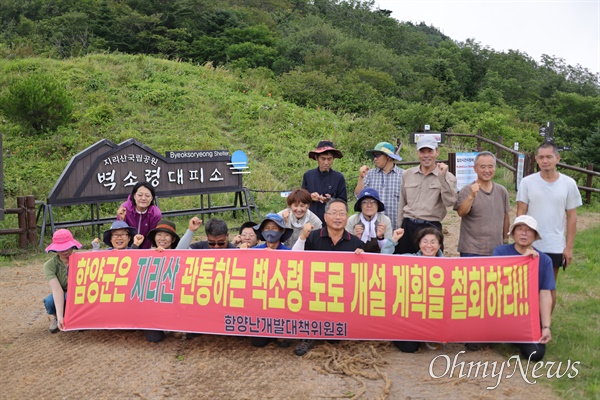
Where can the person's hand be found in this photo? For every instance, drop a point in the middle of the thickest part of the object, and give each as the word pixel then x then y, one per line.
pixel 244 246
pixel 362 172
pixel 380 230
pixel 194 224
pixel 358 230
pixel 531 252
pixel 359 251
pixel 326 198
pixel 285 214
pixel 61 322
pixel 237 239
pixel 397 234
pixel 315 197
pixel 443 168
pixel 567 256
pixel 546 336
pixel 138 240
pixel 96 244
pixel 474 189
pixel 160 249
pixel 306 230
pixel 121 213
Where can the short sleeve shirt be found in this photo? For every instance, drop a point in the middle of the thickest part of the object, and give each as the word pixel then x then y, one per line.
pixel 481 230
pixel 319 240
pixel 54 268
pixel 548 203
pixel 546 271
pixel 388 186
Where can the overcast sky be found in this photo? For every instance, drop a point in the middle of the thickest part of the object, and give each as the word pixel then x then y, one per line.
pixel 568 29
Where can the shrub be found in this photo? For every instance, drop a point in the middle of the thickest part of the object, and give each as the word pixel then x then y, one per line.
pixel 39 101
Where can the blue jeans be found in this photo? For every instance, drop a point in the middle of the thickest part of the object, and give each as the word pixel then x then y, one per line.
pixel 50 306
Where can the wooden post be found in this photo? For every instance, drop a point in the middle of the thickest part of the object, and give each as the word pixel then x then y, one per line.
pixel 588 183
pixel 498 149
pixel 31 220
pixel 516 166
pixel 22 222
pixel 452 163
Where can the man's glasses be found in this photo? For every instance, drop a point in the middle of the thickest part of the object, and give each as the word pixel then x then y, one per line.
pixel 217 244
pixel 377 155
pixel 119 235
pixel 337 214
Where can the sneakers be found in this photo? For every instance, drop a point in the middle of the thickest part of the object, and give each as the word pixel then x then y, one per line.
pixel 54 325
pixel 304 346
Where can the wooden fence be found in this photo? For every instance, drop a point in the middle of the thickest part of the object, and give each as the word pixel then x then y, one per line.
pixel 530 164
pixel 26 213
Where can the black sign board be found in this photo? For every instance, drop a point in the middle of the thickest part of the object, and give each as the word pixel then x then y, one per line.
pixel 107 172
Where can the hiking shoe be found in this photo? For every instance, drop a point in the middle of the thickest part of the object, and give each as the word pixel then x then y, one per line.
pixel 304 346
pixel 54 325
pixel 283 343
pixel 474 346
pixel 260 341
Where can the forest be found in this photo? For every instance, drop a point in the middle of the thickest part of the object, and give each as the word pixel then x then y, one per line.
pixel 349 59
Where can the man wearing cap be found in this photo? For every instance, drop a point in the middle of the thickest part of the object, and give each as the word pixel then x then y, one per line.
pixel 524 231
pixel 483 207
pixel 323 183
pixel 552 199
pixel 386 178
pixel 425 193
pixel 56 271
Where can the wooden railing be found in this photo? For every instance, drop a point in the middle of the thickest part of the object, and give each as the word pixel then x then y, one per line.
pixel 27 229
pixel 529 164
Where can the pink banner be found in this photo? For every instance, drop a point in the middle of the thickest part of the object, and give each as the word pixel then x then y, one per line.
pixel 321 295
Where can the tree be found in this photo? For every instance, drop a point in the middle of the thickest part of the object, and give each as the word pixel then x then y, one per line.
pixel 39 101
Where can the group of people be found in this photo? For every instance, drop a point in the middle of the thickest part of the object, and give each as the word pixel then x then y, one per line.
pixel 397 212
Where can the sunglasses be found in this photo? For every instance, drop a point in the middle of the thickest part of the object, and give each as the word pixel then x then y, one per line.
pixel 218 244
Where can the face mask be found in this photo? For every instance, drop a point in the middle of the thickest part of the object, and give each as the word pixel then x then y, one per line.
pixel 272 236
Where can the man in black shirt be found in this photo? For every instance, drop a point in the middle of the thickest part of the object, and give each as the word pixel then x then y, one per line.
pixel 323 183
pixel 333 237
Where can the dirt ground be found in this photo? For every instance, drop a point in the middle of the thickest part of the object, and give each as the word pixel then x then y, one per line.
pixel 122 365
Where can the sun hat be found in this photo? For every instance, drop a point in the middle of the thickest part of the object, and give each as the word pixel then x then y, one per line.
pixel 324 146
pixel 278 219
pixel 164 226
pixel 119 225
pixel 525 220
pixel 62 240
pixel 427 141
pixel 385 148
pixel 369 193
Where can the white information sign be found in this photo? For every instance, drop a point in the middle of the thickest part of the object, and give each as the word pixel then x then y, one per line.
pixel 465 174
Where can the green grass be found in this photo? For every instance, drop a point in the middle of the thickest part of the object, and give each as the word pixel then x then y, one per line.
pixel 576 319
